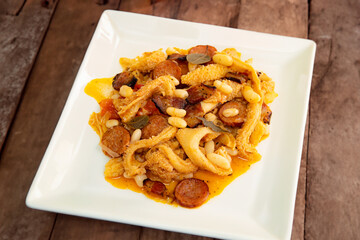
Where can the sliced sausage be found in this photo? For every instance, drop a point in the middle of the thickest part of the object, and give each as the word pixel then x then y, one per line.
pixel 235 121
pixel 167 67
pixel 163 102
pixel 181 61
pixel 192 112
pixel 266 113
pixel 237 77
pixel 199 92
pixel 124 78
pixel 155 187
pixel 156 125
pixel 204 49
pixel 115 140
pixel 191 192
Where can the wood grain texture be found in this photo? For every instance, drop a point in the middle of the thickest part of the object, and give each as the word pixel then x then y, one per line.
pixel 333 197
pixel 11 7
pixel 70 227
pixel 287 18
pixel 22 28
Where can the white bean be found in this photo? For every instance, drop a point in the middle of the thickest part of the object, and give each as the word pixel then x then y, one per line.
pixel 125 91
pixel 181 93
pixel 250 95
pixel 209 147
pixel 111 123
pixel 136 136
pixel 230 112
pixel 223 59
pixel 223 87
pixel 175 112
pixel 177 122
pixel 218 160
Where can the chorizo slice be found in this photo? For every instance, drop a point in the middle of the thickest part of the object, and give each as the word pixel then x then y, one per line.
pixel 266 113
pixel 181 61
pixel 155 187
pixel 167 67
pixel 156 125
pixel 115 140
pixel 237 120
pixel 163 102
pixel 199 92
pixel 124 78
pixel 191 192
pixel 192 112
pixel 204 49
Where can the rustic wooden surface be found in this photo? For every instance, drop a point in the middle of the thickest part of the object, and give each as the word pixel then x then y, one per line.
pixel 328 200
pixel 333 196
pixel 22 27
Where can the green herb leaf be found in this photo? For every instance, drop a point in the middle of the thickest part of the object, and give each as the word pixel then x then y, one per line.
pixel 139 122
pixel 198 58
pixel 211 125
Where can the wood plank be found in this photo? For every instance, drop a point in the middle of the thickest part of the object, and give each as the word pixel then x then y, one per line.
pixel 70 227
pixel 222 13
pixel 22 27
pixel 333 197
pixel 22 30
pixel 289 18
pixel 11 7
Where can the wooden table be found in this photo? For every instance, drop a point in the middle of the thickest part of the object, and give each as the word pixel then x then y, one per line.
pixel 42 44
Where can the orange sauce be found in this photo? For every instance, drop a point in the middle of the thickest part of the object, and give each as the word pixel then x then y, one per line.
pixel 215 182
pixel 101 89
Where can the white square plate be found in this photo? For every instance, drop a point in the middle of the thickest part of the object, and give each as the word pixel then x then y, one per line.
pixel 257 205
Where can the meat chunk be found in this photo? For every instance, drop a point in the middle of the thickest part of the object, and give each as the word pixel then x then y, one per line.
pixel 115 140
pixel 181 61
pixel 167 67
pixel 266 113
pixel 156 125
pixel 192 112
pixel 237 77
pixel 237 120
pixel 163 102
pixel 124 78
pixel 191 192
pixel 155 187
pixel 199 92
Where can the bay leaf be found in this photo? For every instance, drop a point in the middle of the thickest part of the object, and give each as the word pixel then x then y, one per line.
pixel 198 58
pixel 211 125
pixel 138 122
